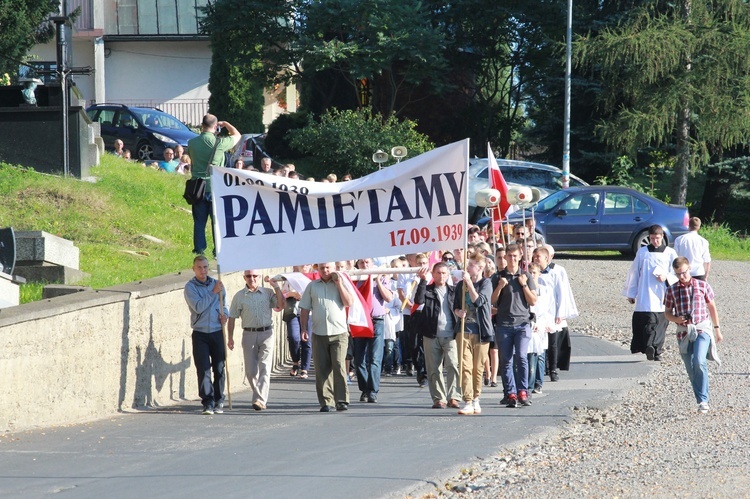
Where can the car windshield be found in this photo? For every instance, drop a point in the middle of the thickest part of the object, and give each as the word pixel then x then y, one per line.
pixel 548 203
pixel 159 120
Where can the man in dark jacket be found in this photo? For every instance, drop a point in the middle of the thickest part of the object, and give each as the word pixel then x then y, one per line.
pixel 437 327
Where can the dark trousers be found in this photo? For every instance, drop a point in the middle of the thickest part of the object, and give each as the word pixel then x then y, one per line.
pixel 201 213
pixel 209 355
pixel 649 329
pixel 551 354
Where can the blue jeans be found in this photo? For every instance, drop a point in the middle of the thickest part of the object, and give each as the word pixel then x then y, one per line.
pixel 533 360
pixel 368 357
pixel 201 213
pixel 514 346
pixel 301 351
pixel 388 355
pixel 696 365
pixel 541 363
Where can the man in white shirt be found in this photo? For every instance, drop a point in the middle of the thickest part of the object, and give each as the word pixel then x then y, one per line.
pixel 645 288
pixel 695 249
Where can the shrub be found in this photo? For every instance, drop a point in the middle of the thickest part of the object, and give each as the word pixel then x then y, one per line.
pixel 277 141
pixel 344 141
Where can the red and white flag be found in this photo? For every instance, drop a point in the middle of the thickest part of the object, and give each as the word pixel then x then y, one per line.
pixel 497 182
pixel 359 315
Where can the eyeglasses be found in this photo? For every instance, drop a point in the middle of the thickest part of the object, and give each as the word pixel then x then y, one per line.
pixel 448 259
pixel 683 273
pixel 254 276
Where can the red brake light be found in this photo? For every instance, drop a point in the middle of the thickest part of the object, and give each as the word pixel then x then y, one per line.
pixel 686 220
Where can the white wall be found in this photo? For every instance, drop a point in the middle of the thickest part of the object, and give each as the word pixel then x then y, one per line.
pixel 158 71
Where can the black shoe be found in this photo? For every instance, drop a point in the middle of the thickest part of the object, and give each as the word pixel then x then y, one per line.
pixel 363 397
pixel 512 401
pixel 372 398
pixel 326 408
pixel 421 377
pixel 553 376
pixel 409 371
pixel 505 400
pixel 342 406
pixel 486 381
pixel 650 351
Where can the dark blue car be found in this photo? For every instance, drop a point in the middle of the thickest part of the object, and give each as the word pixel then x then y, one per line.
pixel 604 217
pixel 145 131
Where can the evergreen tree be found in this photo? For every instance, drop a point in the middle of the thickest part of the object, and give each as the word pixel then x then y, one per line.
pixel 23 24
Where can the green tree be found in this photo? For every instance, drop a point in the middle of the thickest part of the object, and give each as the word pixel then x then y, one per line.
pixel 236 91
pixel 23 24
pixel 344 141
pixel 675 75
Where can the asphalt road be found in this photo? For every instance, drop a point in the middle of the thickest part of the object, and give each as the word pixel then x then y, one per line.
pixel 397 447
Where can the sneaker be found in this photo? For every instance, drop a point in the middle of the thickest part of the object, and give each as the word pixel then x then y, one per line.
pixel 504 400
pixel 703 407
pixel 477 407
pixel 523 398
pixel 302 375
pixel 372 398
pixel 219 409
pixel 537 389
pixel 398 371
pixel 208 410
pixel 650 351
pixel 421 377
pixel 467 408
pixel 553 376
pixel 512 401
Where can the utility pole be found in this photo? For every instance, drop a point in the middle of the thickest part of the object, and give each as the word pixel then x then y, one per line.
pixel 566 119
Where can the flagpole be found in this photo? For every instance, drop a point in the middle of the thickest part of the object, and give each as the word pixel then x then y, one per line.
pixel 217 247
pixel 463 264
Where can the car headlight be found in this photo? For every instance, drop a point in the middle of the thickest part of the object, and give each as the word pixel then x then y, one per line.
pixel 165 139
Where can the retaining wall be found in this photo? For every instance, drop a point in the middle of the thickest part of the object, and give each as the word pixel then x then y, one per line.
pixel 92 354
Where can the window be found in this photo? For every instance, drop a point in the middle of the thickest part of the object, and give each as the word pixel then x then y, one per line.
pixel 582 204
pixel 158 17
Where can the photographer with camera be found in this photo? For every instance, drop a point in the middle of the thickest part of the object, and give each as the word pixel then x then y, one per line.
pixel 206 150
pixel 690 304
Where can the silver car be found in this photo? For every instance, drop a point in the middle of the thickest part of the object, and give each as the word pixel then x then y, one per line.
pixel 546 178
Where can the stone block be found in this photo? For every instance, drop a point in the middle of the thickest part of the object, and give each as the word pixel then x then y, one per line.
pixel 39 247
pixel 10 294
pixel 50 273
pixel 54 290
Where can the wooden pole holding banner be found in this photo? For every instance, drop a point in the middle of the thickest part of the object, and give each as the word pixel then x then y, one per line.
pixel 221 296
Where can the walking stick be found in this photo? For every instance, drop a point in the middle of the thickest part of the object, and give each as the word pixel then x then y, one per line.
pixel 217 246
pixel 224 337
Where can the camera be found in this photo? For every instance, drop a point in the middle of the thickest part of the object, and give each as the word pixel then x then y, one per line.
pixel 688 317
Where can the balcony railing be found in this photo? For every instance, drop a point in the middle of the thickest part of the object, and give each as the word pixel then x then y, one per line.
pixel 85 19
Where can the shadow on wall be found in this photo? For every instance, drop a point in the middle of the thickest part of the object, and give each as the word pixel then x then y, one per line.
pixel 152 371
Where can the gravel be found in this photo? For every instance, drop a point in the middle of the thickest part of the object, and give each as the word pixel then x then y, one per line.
pixel 654 442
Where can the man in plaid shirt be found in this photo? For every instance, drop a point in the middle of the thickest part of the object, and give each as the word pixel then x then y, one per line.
pixel 689 303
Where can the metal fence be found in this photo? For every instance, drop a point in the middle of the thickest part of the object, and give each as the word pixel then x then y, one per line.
pixel 189 111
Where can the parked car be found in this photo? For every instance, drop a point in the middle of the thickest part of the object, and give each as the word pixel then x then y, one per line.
pixel 246 149
pixel 546 178
pixel 604 217
pixel 146 131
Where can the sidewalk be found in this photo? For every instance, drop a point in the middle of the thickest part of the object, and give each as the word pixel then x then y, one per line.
pixel 396 447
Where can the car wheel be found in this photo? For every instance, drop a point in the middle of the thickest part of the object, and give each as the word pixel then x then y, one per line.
pixel 640 240
pixel 145 151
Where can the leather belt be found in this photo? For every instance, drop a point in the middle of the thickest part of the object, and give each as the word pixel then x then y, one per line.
pixel 379 318
pixel 258 329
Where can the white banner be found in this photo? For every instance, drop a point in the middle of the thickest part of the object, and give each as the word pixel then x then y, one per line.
pixel 264 221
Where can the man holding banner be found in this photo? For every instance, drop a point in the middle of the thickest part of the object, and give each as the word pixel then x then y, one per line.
pixel 326 298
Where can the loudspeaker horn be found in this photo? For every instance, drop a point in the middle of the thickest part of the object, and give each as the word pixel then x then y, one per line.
pixel 399 152
pixel 380 156
pixel 486 198
pixel 519 194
